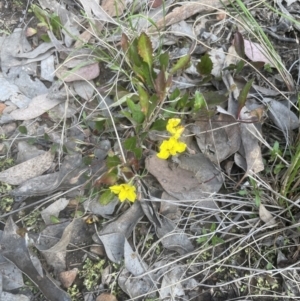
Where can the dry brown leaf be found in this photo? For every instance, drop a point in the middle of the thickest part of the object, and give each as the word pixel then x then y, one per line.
pixel 219 139
pixel 185 184
pixel 27 170
pixel 266 216
pixel 187 10
pixel 155 3
pixel 84 73
pixel 38 106
pixel 113 7
pixel 53 210
pixel 67 277
pixel 83 38
pixel 2 107
pixel 106 297
pixel 256 53
pixel 92 7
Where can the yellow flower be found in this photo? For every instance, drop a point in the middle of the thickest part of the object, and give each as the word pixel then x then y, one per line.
pixel 174 128
pixel 124 191
pixel 170 148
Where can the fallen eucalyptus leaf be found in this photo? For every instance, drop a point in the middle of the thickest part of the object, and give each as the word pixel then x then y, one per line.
pixel 281 115
pixel 133 263
pixel 27 170
pixel 173 238
pixel 218 139
pixel 38 106
pixel 69 175
pixel 82 73
pixel 266 216
pixel 13 247
pixel 84 89
pixel 197 176
pixel 114 246
pixel 256 53
pixel 54 209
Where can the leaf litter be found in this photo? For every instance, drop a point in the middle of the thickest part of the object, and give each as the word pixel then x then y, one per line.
pixel 177 198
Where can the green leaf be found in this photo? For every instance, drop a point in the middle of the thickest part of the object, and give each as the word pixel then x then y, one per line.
pixel 199 102
pixel 45 38
pixel 55 24
pixel 216 240
pixel 133 54
pixel 77 214
pixel 23 129
pixel 138 152
pixel 145 49
pixel 181 63
pixel 143 73
pixel 242 192
pixel 54 219
pixel 243 95
pixel 131 105
pixel 113 161
pixel 164 60
pixel 130 143
pixel 144 99
pixel 99 125
pixel 205 66
pixel 170 112
pixel 127 115
pixel 182 102
pixel 239 66
pixel 152 104
pixel 40 14
pixel 106 197
pixel 278 168
pixel 159 125
pixel 201 239
pixel 275 149
pixel 46 137
pixel 138 117
pixel 174 94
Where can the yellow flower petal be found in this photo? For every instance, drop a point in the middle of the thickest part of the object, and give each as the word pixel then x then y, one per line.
pixel 124 191
pixel 163 154
pixel 173 145
pixel 164 150
pixel 178 131
pixel 180 147
pixel 115 189
pixel 170 147
pixel 172 124
pixel 131 195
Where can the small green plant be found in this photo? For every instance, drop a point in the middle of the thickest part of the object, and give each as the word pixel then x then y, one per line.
pixel 74 292
pixel 152 80
pixel 91 273
pixel 47 22
pixel 257 192
pixel 209 236
pixel 290 180
pixel 6 203
pixel 33 220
